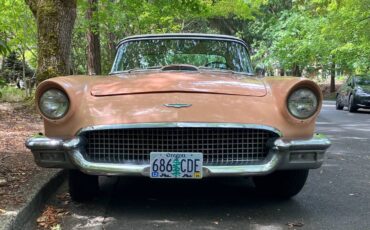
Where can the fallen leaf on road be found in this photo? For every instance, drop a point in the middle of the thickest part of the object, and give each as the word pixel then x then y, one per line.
pixel 3 182
pixel 65 198
pixel 50 218
pixel 296 224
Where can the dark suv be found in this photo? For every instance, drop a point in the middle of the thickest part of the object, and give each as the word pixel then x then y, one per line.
pixel 354 93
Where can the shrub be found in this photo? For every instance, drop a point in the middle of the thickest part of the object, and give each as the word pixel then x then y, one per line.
pixel 12 94
pixel 12 69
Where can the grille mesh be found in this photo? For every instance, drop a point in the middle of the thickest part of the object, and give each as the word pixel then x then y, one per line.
pixel 220 146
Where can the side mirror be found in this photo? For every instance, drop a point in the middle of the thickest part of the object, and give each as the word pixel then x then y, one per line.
pixel 260 71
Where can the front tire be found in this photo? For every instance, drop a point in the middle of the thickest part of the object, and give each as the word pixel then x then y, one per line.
pixel 82 187
pixel 351 105
pixel 282 184
pixel 338 104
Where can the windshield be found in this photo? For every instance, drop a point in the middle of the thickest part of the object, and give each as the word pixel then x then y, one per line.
pixel 363 80
pixel 207 54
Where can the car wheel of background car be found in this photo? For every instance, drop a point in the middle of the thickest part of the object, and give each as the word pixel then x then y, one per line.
pixel 82 187
pixel 338 104
pixel 351 105
pixel 282 184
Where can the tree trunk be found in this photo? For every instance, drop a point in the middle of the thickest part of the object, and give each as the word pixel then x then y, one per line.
pixel 111 46
pixel 222 25
pixel 55 20
pixel 296 72
pixel 282 71
pixel 93 40
pixel 332 77
pixel 24 72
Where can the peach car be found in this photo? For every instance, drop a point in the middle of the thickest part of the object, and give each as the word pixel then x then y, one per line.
pixel 180 106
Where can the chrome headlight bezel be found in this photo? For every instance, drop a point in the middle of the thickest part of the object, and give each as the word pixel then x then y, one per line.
pixel 54 103
pixel 302 97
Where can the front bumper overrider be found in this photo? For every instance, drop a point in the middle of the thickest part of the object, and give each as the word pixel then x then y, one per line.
pixel 283 155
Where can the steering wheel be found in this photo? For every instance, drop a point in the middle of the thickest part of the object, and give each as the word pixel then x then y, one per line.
pixel 217 64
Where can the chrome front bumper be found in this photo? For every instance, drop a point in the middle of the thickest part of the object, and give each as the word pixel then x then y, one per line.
pixel 283 155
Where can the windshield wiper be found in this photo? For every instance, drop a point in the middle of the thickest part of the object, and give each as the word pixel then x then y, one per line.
pixel 143 69
pixel 136 69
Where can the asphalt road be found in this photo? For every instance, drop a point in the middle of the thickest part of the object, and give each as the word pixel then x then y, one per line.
pixel 336 196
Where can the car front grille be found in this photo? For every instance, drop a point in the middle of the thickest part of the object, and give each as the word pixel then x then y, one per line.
pixel 220 146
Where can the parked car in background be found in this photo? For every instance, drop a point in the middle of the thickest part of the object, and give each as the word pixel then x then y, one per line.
pixel 354 93
pixel 180 106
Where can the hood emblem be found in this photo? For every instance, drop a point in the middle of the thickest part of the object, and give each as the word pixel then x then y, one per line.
pixel 178 105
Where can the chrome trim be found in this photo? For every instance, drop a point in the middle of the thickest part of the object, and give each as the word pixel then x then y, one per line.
pixel 180 125
pixel 318 142
pixel 278 158
pixel 178 105
pixel 144 170
pixel 199 36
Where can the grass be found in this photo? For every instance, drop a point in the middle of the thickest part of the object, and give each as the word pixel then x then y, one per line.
pixel 12 94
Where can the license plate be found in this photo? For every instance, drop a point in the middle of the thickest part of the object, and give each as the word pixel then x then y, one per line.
pixel 176 165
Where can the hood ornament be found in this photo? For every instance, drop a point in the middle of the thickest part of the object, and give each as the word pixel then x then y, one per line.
pixel 178 105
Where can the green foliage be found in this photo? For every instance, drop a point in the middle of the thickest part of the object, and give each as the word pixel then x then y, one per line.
pixel 4 49
pixel 117 19
pixel 2 83
pixel 17 27
pixel 294 36
pixel 12 94
pixel 13 69
pixel 311 35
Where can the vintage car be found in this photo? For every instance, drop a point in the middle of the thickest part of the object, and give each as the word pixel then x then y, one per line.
pixel 180 106
pixel 354 93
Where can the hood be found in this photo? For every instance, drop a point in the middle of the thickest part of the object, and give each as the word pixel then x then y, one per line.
pixel 158 82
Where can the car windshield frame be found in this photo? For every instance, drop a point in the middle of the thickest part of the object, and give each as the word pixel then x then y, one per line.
pixel 249 69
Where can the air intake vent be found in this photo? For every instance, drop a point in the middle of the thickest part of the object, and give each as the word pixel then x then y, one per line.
pixel 180 68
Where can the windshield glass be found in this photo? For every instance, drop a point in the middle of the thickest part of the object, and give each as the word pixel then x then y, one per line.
pixel 207 54
pixel 363 80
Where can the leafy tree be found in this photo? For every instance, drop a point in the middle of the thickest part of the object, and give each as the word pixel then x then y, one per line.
pixel 116 19
pixel 13 69
pixel 4 49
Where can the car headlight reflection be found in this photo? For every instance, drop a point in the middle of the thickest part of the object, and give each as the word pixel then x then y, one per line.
pixel 54 104
pixel 302 103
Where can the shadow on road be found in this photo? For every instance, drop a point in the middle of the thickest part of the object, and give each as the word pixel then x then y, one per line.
pixel 206 201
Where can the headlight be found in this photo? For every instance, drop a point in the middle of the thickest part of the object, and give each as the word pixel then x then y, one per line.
pixel 302 103
pixel 54 104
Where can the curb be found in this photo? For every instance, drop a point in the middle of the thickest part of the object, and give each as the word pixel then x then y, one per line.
pixel 34 204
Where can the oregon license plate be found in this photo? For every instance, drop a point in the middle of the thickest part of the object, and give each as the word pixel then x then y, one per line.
pixel 176 165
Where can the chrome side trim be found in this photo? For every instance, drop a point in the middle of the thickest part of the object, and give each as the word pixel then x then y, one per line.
pixel 318 142
pixel 180 124
pixel 200 36
pixel 45 143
